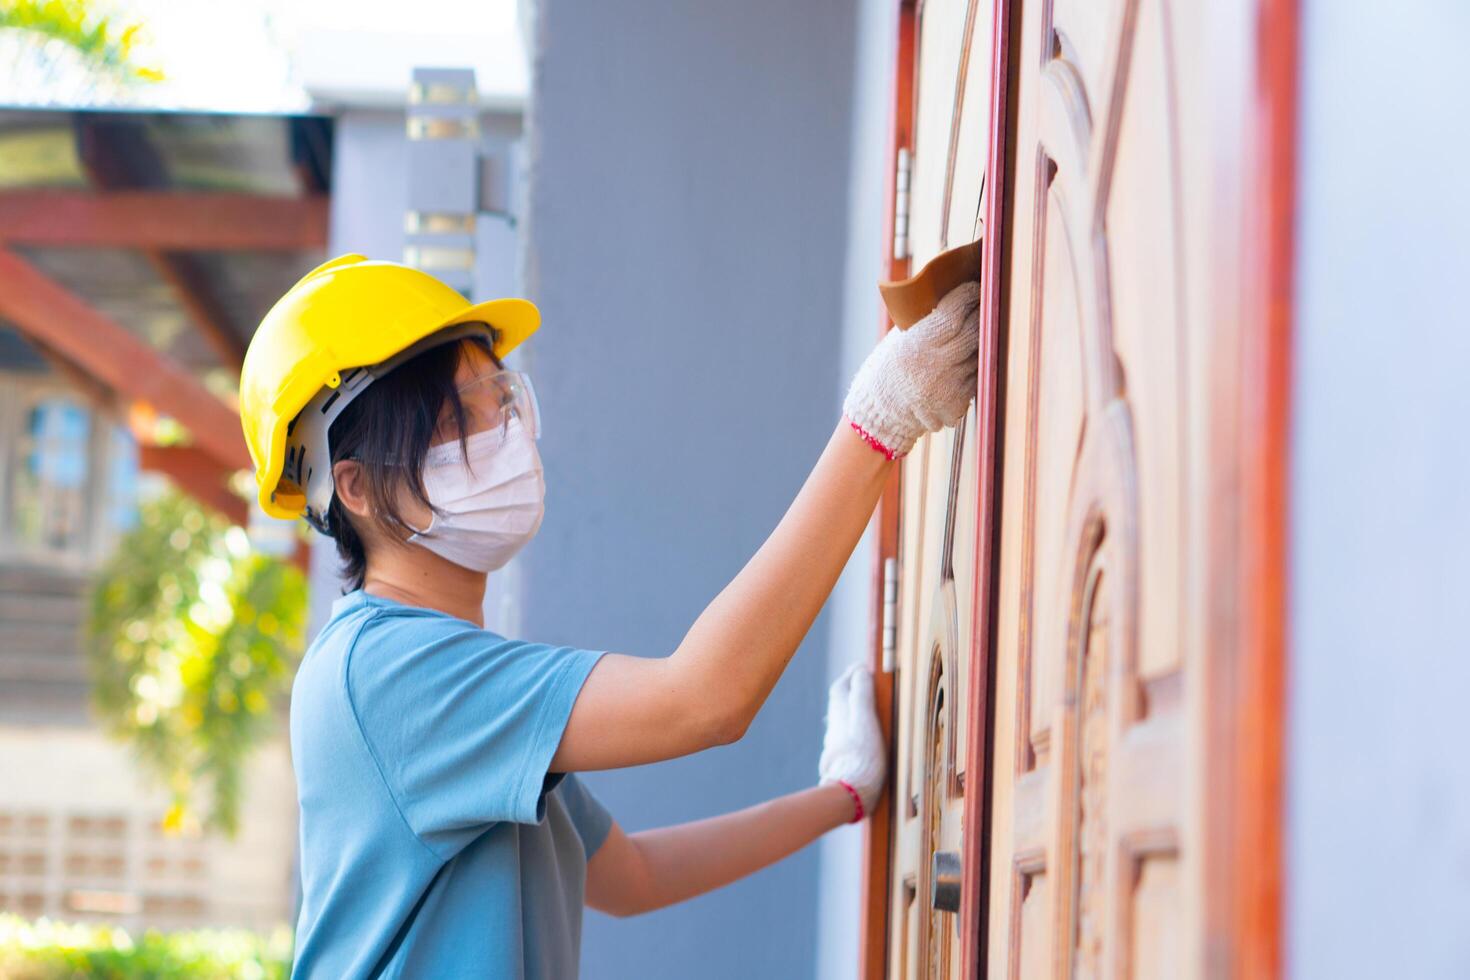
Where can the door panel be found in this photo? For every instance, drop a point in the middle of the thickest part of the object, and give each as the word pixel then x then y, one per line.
pixel 969 137
pixel 933 657
pixel 1055 408
pixel 929 694
pixel 1147 317
pixel 940 52
pixel 1094 859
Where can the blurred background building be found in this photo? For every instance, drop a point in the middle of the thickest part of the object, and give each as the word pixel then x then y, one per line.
pixel 146 232
pixel 646 337
pixel 112 286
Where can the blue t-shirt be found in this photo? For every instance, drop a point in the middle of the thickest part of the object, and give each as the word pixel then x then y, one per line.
pixel 433 841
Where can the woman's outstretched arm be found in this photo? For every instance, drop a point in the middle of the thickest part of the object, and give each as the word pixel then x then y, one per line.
pixel 635 873
pixel 641 872
pixel 634 710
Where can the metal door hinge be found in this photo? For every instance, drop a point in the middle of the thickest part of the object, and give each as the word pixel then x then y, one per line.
pixel 890 613
pixel 903 175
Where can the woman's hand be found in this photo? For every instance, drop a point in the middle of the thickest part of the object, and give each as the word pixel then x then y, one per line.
pixel 853 752
pixel 920 379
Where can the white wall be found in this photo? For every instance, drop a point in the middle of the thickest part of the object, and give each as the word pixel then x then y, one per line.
pixel 1378 847
pixel 59 776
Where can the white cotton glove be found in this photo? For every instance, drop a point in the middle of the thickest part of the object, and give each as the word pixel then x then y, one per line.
pixel 853 751
pixel 920 379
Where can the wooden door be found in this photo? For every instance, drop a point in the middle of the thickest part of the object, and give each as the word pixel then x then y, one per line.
pixel 1119 318
pixel 1086 679
pixel 933 655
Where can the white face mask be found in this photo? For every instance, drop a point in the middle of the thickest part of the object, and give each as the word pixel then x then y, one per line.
pixel 491 507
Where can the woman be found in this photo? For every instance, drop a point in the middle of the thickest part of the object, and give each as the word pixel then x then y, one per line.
pixel 444 832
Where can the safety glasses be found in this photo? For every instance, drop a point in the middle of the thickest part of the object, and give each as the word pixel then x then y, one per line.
pixel 490 401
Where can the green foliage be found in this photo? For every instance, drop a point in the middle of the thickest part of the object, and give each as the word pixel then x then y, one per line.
pixel 99 38
pixel 48 950
pixel 193 638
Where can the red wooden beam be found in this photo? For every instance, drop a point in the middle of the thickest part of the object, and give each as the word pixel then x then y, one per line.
pixel 45 310
pixel 198 474
pixel 202 304
pixel 120 158
pixel 98 395
pixel 182 220
pixel 202 477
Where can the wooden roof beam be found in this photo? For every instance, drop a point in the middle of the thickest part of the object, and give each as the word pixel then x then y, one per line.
pixel 98 395
pixel 119 156
pixel 201 476
pixel 45 310
pixel 198 474
pixel 186 221
pixel 202 304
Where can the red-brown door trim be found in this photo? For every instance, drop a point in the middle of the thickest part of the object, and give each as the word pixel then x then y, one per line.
pixel 1265 378
pixel 873 927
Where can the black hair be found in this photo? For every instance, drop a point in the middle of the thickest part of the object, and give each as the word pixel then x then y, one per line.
pixel 388 429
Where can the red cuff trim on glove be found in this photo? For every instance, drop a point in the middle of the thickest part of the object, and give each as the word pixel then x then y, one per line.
pixel 856 799
pixel 869 438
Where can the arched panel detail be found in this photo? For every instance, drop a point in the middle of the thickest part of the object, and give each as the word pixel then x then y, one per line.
pixel 1100 695
pixel 1056 420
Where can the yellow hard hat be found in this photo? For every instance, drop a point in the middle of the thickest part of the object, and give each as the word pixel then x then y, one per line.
pixel 349 313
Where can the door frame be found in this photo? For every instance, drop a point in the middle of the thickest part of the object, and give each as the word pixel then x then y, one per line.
pixel 874 926
pixel 1256 846
pixel 878 829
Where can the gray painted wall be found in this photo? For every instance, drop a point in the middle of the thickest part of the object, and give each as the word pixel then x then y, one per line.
pixel 874 46
pixel 1379 760
pixel 686 243
pixel 369 196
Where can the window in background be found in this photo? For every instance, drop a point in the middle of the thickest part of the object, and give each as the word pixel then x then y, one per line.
pixel 122 486
pixel 68 475
pixel 49 498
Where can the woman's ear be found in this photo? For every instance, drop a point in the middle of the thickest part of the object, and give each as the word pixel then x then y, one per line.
pixel 351 486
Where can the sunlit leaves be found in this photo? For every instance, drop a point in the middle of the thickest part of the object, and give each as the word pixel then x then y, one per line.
pixel 82 26
pixel 193 638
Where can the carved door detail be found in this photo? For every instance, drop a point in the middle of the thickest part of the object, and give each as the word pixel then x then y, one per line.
pixel 1094 557
pixel 933 654
pixel 930 675
pixel 1095 866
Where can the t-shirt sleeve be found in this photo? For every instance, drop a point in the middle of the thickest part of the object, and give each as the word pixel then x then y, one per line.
pixel 588 814
pixel 463 723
